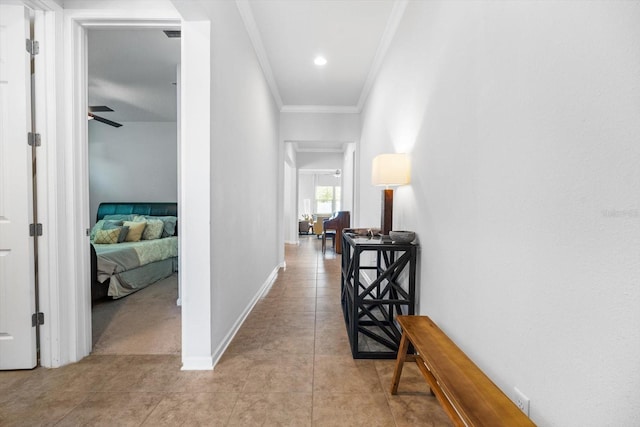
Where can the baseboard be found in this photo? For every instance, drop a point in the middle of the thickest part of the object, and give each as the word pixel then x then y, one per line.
pixel 236 326
pixel 292 242
pixel 197 364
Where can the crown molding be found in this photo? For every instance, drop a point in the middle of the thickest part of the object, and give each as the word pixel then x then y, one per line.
pixel 322 109
pixel 389 33
pixel 319 150
pixel 254 35
pixel 318 146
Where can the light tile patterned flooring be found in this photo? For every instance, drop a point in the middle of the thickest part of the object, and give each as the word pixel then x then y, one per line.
pixel 289 365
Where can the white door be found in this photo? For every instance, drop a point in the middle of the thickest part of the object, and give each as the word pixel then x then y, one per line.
pixel 17 300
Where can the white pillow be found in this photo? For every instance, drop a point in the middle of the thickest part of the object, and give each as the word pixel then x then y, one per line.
pixel 153 230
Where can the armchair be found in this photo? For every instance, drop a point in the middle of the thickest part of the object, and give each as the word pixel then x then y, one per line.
pixel 339 221
pixel 303 227
pixel 317 224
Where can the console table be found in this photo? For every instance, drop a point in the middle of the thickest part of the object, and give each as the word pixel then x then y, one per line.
pixel 371 302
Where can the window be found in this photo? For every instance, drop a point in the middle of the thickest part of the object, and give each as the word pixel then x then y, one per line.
pixel 327 199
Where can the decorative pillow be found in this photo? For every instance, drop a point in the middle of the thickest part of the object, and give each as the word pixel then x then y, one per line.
pixel 95 229
pixel 123 234
pixel 135 230
pixel 153 230
pixel 110 225
pixel 123 231
pixel 169 223
pixel 107 236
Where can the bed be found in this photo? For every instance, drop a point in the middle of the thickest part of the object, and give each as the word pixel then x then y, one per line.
pixel 120 269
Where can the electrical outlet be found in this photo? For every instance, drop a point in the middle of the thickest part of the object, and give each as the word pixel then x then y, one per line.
pixel 522 401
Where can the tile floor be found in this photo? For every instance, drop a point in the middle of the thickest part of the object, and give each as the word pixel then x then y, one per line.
pixel 289 365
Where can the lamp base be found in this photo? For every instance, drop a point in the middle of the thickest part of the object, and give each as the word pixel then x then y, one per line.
pixel 387 211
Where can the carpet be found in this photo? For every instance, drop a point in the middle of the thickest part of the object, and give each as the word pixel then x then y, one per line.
pixel 145 322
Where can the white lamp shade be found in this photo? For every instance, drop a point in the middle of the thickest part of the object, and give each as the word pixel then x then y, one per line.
pixel 391 169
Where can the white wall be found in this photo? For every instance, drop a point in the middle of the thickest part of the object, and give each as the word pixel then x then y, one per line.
pixel 319 127
pixel 245 162
pixel 134 163
pixel 194 206
pixel 290 197
pixel 522 122
pixel 306 190
pixel 348 183
pixel 309 160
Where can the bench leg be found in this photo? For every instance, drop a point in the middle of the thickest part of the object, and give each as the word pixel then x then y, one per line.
pixel 402 355
pixel 439 394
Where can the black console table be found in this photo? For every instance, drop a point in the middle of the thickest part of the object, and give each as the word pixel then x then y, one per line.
pixel 370 307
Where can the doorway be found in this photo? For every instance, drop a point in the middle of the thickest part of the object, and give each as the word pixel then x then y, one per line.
pixel 193 193
pixel 132 86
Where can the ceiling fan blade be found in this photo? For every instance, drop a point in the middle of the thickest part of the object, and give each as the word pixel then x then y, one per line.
pixel 105 121
pixel 99 108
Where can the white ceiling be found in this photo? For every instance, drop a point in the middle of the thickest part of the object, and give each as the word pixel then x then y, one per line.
pixel 132 70
pixel 346 33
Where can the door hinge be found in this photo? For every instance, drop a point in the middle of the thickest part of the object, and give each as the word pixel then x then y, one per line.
pixel 33 139
pixel 37 319
pixel 33 47
pixel 35 229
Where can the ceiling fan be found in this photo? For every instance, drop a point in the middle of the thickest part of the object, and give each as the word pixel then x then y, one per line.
pixel 101 109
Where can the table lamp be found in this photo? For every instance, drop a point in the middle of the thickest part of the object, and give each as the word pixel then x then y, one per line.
pixel 390 170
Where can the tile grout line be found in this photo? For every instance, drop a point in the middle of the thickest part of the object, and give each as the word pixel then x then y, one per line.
pixel 315 343
pixel 73 409
pixel 387 396
pixel 151 411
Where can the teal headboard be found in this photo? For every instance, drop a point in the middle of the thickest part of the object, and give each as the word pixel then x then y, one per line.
pixel 138 208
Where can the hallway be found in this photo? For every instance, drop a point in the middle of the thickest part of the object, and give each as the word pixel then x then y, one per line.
pixel 289 364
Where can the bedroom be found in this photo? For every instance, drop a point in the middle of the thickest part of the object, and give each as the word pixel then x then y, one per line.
pixel 132 154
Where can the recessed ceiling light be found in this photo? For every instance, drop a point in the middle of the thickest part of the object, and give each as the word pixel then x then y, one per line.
pixel 320 61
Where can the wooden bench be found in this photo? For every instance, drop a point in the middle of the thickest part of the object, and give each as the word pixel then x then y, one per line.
pixel 467 395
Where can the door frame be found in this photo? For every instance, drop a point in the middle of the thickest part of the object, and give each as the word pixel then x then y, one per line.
pixel 66 297
pixel 79 29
